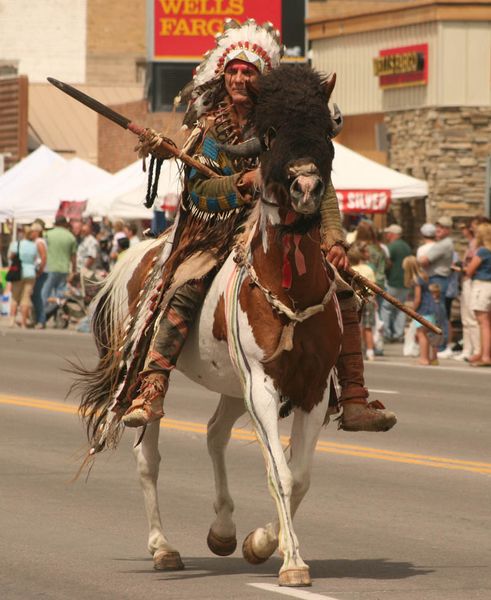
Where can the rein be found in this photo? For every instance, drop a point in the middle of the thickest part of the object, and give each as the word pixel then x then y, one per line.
pixel 241 258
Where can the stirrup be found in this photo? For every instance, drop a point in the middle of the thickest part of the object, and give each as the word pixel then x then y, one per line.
pixel 370 417
pixel 148 406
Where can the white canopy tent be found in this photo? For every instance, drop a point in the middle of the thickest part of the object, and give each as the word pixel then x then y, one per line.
pixel 366 186
pixel 130 178
pixel 123 197
pixel 76 180
pixel 29 173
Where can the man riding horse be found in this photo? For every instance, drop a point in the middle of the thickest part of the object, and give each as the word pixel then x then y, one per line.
pixel 221 103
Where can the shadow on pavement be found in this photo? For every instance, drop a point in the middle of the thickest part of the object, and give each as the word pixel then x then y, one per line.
pixel 200 567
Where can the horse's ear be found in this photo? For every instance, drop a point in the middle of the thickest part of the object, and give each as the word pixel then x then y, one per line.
pixel 328 85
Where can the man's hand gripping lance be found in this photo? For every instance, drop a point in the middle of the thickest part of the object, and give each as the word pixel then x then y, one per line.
pixel 164 148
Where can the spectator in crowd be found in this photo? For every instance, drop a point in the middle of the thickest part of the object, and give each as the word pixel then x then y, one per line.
pixel 365 232
pixel 438 260
pixel 131 232
pixel 123 245
pixel 479 269
pixel 358 256
pixel 471 343
pixel 76 229
pixel 417 278
pixel 118 233
pixel 428 232
pixel 28 253
pixel 62 252
pixel 88 251
pixel 394 319
pixel 37 229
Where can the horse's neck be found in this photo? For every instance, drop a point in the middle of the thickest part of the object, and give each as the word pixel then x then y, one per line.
pixel 274 256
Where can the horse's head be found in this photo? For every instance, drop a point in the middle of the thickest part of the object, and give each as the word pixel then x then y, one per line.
pixel 294 129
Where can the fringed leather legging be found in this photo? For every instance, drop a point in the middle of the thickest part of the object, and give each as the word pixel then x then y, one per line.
pixel 173 326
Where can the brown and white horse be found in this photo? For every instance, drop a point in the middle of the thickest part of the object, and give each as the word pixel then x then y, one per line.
pixel 269 332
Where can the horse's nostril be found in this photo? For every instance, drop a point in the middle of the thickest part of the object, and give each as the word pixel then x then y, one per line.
pixel 296 187
pixel 318 188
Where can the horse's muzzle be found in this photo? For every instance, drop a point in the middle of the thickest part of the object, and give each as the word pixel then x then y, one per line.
pixel 306 191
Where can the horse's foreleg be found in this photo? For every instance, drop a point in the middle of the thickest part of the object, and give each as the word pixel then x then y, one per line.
pixel 222 535
pixel 148 460
pixel 260 544
pixel 262 402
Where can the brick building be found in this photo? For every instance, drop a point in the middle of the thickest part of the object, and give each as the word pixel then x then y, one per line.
pixel 414 85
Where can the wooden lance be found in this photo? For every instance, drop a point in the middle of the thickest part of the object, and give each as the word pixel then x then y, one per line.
pixel 166 146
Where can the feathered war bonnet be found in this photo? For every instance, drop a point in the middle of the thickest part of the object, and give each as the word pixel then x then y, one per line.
pixel 258 45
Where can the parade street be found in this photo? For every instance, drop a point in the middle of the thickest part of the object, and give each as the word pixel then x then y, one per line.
pixel 402 515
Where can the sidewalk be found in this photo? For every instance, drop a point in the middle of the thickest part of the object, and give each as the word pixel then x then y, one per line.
pixel 393 355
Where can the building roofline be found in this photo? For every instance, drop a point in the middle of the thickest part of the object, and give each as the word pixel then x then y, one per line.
pixel 414 13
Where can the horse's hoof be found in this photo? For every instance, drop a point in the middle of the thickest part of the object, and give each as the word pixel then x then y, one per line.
pixel 221 546
pixel 248 551
pixel 167 561
pixel 295 578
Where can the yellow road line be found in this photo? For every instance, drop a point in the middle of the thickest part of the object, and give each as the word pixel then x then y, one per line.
pixel 247 435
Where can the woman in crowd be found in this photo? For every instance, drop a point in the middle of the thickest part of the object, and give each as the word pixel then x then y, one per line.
pixel 471 343
pixel 415 277
pixel 37 229
pixel 479 270
pixel 358 256
pixel 377 259
pixel 28 252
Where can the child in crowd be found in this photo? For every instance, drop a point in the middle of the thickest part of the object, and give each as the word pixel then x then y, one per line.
pixel 359 256
pixel 123 243
pixel 415 277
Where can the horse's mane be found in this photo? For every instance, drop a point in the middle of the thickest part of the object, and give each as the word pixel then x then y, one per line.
pixel 292 96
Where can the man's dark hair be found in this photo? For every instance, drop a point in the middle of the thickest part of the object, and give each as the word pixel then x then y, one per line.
pixel 61 221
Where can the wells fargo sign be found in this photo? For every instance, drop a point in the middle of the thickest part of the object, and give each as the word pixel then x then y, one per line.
pixel 363 201
pixel 399 67
pixel 185 29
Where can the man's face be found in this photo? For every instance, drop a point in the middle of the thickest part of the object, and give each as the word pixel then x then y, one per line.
pixel 76 226
pixel 441 232
pixel 237 74
pixel 86 230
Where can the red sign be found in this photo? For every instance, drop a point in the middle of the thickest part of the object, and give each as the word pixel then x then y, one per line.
pixel 400 67
pixel 71 209
pixel 185 29
pixel 363 201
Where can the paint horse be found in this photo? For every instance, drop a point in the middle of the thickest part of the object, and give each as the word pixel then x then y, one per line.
pixel 269 332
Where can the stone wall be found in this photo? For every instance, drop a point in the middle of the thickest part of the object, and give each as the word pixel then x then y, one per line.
pixel 449 148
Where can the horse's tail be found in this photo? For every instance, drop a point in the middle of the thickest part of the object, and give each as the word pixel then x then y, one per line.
pixel 109 320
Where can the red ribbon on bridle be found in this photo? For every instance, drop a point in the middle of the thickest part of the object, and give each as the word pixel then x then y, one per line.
pixel 288 240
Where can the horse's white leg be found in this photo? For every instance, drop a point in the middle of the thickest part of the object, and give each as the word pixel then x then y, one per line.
pixel 260 544
pixel 262 402
pixel 222 538
pixel 147 457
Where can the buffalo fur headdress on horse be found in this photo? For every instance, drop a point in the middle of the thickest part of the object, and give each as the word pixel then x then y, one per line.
pixel 250 42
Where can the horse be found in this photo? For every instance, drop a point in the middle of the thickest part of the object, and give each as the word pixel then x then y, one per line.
pixel 269 331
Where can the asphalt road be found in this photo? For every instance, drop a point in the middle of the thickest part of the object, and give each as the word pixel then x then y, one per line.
pixel 403 515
